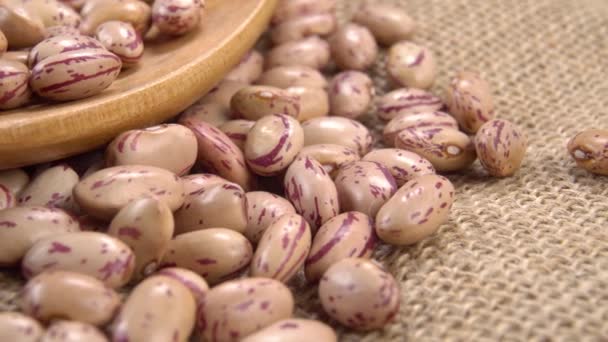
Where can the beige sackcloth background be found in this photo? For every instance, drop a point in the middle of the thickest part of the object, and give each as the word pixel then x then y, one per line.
pixel 523 258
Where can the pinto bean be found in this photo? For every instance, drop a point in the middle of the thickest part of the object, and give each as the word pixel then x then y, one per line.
pixel 15 326
pixel 249 68
pixel 403 165
pixel 353 47
pixel 588 148
pixel 312 52
pixel 338 131
pixel 350 94
pixel 407 101
pixel 411 65
pixel 263 208
pixel 501 147
pixel 416 120
pixel 469 100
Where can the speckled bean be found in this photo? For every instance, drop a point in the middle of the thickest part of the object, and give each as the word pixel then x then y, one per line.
pixel 338 131
pixel 290 9
pixel 237 131
pixel 95 13
pixel 239 308
pixel 249 68
pixel 350 234
pixel 18 327
pixel 407 101
pixel 353 47
pixel 52 78
pixel 446 148
pixel 589 149
pixel 331 156
pixel 263 208
pixel 105 192
pixel 416 120
pixel 52 13
pixel 59 44
pixel 273 143
pixel 314 102
pixel 469 100
pixel 388 23
pixel 282 249
pixel 195 283
pixel 201 208
pixel 159 309
pixel 255 102
pixel 21 227
pixel 313 52
pixel 13 180
pixel 14 89
pixel 51 188
pixel 501 147
pixel 21 28
pixel 359 294
pixel 293 76
pixel 95 254
pixel 121 39
pixel 177 17
pixel 403 165
pixel 218 154
pixel 72 331
pixel 411 65
pixel 416 211
pixel 54 31
pixel 19 56
pixel 214 114
pixel 364 186
pixel 297 28
pixel 311 191
pixel 294 330
pixel 195 182
pixel 168 146
pixel 217 254
pixel 350 94
pixel 223 92
pixel 68 295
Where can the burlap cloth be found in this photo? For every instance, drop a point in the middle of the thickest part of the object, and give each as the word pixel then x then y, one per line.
pixel 523 258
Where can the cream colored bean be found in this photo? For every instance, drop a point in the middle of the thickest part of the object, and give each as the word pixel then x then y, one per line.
pixel 195 182
pixel 195 283
pixel 407 101
pixel 255 102
pixel 350 234
pixel 19 327
pixel 421 120
pixel 338 131
pixel 223 92
pixel 7 199
pixel 314 102
pixel 66 331
pixel 14 89
pixel 249 68
pixel 58 44
pixel 353 47
pixel 218 154
pixel 237 131
pixel 388 23
pixel 54 31
pixel 364 186
pixel 22 227
pixel 177 17
pixel 312 191
pixel 19 56
pixel 282 249
pixel 21 28
pixel 416 211
pixel 95 254
pixel 331 156
pixel 359 294
pixel 263 208
pixel 214 114
pixel 411 65
pixel 350 94
pixel 52 12
pixel 95 13
pixel 290 9
pixel 3 43
pixel 469 100
pixel 159 309
pixel 169 146
pixel 446 148
pixel 501 147
pixel 304 26
pixel 146 226
pixel 217 254
pixel 238 308
pixel 589 149
pixel 403 165
pixel 97 69
pixel 293 76
pixel 294 330
pixel 51 188
pixel 312 52
pixel 12 182
pixel 121 39
pixel 273 143
pixel 201 209
pixel 68 295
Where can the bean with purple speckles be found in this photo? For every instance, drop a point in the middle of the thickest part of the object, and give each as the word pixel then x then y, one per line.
pixel 195 283
pixel 416 120
pixel 331 156
pixel 403 165
pixel 51 13
pixel 350 94
pixel 51 188
pixel 314 102
pixel 19 327
pixel 293 76
pixel 160 308
pixel 95 13
pixel 212 113
pixel 249 68
pixel 68 295
pixel 12 182
pixel 62 31
pixel 223 92
pixel 469 100
pixel 255 102
pixel 238 308
pixel 353 47
pixel 411 65
pixel 121 39
pixel 195 182
pixel 359 294
pixel 59 44
pixel 501 147
pixel 177 17
pixel 407 101
pixel 287 10
pixel 237 131
pixel 338 131
pixel 313 52
pixel 14 89
pixel 589 149
pixel 294 330
pixel 263 208
pixel 388 23
pixel 416 210
pixel 72 331
pixel 75 4
pixel 321 24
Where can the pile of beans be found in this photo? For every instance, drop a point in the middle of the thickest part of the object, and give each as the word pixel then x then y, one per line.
pixel 269 178
pixel 64 50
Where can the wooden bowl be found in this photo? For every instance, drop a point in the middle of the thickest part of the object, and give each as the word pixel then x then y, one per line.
pixel 171 76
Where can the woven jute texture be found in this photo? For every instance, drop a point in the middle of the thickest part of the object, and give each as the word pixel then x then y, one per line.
pixel 523 258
